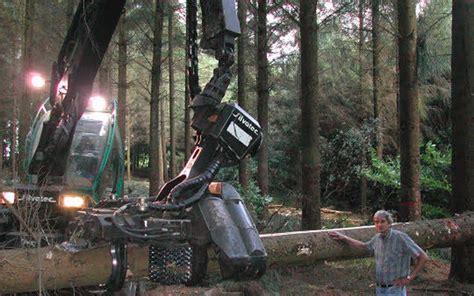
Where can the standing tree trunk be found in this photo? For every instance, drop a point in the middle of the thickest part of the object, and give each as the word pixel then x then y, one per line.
pixel 263 94
pixel 122 86
pixel 397 80
pixel 14 119
pixel 190 74
pixel 410 206
pixel 156 171
pixel 128 150
pixel 311 200
pixel 105 87
pixel 187 119
pixel 24 111
pixel 69 13
pixel 3 123
pixel 163 163
pixel 2 177
pixel 171 89
pixel 14 140
pixel 2 135
pixel 360 45
pixel 376 76
pixel 242 81
pixel 462 69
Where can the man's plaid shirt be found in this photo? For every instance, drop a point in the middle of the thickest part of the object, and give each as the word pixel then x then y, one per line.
pixel 392 255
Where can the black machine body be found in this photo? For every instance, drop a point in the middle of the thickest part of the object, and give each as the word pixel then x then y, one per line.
pixel 237 131
pixel 189 214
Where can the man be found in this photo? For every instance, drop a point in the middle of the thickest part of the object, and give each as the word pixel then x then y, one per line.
pixel 393 250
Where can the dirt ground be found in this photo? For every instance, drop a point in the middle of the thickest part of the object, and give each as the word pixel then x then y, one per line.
pixel 350 277
pixel 353 277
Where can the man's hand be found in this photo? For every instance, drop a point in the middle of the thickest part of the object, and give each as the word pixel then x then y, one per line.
pixel 335 235
pixel 402 282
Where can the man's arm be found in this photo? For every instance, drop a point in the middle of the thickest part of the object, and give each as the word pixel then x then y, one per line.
pixel 420 262
pixel 335 235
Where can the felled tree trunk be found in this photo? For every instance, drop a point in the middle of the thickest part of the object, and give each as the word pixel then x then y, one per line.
pixel 310 246
pixel 21 270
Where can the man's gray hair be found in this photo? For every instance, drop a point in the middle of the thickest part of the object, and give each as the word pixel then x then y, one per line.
pixel 384 214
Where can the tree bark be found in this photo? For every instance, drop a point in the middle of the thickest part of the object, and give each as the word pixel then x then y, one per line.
pixel 14 138
pixel 156 171
pixel 1 149
pixel 14 118
pixel 187 119
pixel 360 45
pixel 462 68
pixel 27 56
pixel 61 269
pixel 190 49
pixel 410 206
pixel 104 85
pixel 376 76
pixel 3 121
pixel 242 81
pixel 129 153
pixel 122 79
pixel 263 94
pixel 69 12
pixel 397 80
pixel 172 94
pixel 163 163
pixel 310 153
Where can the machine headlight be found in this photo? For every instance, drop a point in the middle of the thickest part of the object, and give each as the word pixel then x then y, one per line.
pixel 97 103
pixel 8 196
pixel 72 201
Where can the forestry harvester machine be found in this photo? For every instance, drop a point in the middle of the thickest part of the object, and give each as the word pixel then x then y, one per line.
pixel 191 213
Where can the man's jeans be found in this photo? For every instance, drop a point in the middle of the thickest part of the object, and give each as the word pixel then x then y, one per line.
pixel 393 291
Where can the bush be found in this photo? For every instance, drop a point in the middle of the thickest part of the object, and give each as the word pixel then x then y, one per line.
pixel 254 199
pixel 342 159
pixel 434 177
pixel 434 212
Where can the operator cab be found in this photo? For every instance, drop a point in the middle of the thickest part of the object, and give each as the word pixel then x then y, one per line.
pixel 87 149
pixel 94 165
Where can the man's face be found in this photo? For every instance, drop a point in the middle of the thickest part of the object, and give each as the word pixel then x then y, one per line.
pixel 381 225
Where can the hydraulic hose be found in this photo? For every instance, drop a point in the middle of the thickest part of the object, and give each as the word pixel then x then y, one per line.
pixel 201 180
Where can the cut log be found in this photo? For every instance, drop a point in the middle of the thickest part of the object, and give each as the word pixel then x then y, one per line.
pixel 22 269
pixel 309 246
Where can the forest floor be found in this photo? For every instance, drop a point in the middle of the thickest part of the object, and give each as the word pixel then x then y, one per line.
pixel 352 277
pixel 348 277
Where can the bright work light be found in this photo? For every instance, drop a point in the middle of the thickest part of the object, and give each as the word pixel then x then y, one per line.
pixel 37 81
pixel 72 201
pixel 9 196
pixel 97 103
